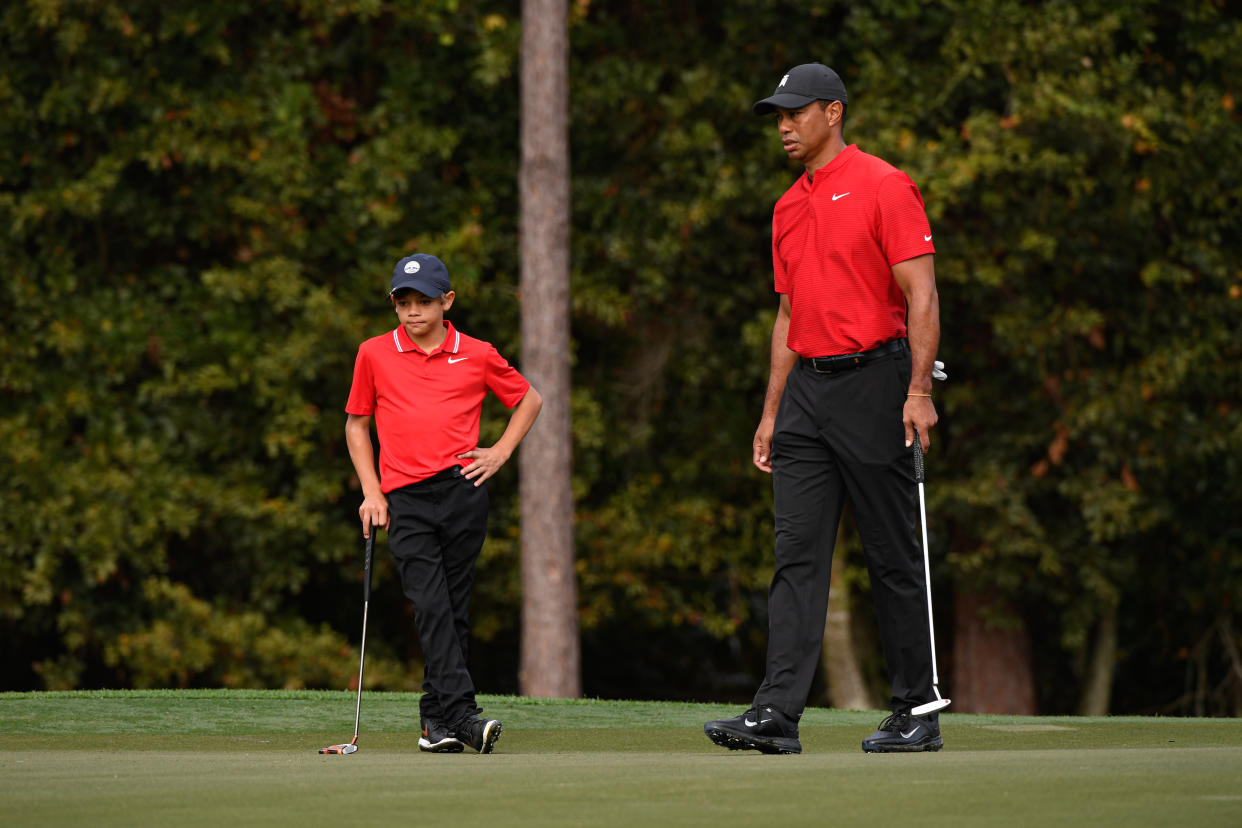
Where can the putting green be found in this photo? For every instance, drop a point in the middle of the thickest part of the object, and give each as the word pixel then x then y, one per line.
pixel 198 758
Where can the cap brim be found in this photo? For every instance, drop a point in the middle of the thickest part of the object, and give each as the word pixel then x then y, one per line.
pixel 425 288
pixel 781 100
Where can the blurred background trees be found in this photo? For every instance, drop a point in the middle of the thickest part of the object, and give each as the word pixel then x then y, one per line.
pixel 200 206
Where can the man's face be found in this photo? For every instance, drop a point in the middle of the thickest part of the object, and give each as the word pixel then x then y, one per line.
pixel 805 132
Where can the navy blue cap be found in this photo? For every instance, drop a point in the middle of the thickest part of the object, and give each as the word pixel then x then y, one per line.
pixel 422 272
pixel 801 85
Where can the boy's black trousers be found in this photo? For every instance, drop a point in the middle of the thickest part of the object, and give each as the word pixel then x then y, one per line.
pixel 436 529
pixel 838 435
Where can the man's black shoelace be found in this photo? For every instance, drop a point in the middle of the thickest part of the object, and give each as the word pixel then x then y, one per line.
pixel 895 722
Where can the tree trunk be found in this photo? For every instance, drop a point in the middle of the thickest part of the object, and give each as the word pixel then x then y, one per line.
pixel 842 673
pixel 550 659
pixel 991 664
pixel 1099 689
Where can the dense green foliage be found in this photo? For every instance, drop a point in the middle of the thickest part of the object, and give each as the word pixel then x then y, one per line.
pixel 200 205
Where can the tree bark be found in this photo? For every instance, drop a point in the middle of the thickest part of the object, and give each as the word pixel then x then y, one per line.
pixel 1099 687
pixel 847 690
pixel 550 659
pixel 992 670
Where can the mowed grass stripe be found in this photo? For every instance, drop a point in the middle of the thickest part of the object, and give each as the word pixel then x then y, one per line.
pixel 275 711
pixel 600 787
pixel 961 733
pixel 330 715
pixel 202 757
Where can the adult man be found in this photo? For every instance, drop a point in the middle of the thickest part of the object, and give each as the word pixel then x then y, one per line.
pixel 852 351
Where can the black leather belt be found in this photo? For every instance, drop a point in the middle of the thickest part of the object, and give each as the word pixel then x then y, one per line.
pixel 440 477
pixel 846 362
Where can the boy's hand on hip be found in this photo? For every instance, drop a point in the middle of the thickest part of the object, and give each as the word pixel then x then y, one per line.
pixel 487 461
pixel 373 512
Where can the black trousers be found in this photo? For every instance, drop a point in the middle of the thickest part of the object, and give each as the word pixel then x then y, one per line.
pixel 840 435
pixel 436 530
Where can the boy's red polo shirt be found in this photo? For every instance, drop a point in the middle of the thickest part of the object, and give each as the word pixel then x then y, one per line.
pixel 427 406
pixel 834 242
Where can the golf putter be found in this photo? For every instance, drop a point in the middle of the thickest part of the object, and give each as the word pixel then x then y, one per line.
pixel 352 745
pixel 939 703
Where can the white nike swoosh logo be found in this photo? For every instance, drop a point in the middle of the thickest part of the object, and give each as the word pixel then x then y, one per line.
pixel 459 359
pixel 927 238
pixel 911 733
pixel 835 196
pixel 749 723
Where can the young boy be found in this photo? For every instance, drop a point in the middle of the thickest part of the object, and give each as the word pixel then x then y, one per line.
pixel 425 382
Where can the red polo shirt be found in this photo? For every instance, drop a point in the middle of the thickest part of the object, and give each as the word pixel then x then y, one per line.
pixel 834 243
pixel 427 406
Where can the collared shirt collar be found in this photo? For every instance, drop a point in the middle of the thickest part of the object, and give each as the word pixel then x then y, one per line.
pixel 843 157
pixel 451 343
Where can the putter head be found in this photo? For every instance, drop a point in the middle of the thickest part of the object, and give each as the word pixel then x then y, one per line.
pixel 350 748
pixel 930 707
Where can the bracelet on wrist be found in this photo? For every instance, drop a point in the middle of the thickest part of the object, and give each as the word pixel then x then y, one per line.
pixel 915 394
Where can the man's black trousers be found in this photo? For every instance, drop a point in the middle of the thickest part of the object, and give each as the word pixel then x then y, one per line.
pixel 436 529
pixel 840 435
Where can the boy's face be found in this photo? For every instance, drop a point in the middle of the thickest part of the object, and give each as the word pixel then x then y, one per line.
pixel 422 316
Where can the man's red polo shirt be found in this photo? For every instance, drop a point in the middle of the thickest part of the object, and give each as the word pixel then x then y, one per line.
pixel 427 406
pixel 834 242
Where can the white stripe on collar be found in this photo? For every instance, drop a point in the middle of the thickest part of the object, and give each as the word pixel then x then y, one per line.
pixel 456 341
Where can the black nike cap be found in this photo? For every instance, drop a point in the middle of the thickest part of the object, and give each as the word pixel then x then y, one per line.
pixel 800 86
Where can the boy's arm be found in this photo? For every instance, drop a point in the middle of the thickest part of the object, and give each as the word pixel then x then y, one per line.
pixel 487 461
pixel 374 508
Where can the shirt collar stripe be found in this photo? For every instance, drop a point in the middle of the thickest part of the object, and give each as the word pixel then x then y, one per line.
pixel 396 338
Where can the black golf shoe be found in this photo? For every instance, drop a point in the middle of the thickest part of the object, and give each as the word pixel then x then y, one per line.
pixel 903 733
pixel 480 734
pixel 760 728
pixel 436 738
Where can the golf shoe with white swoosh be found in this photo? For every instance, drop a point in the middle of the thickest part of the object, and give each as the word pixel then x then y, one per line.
pixel 903 733
pixel 764 729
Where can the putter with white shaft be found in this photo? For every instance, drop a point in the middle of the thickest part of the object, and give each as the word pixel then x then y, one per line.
pixel 352 746
pixel 939 703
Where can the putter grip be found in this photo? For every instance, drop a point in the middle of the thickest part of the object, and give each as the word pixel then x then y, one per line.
pixel 919 477
pixel 366 572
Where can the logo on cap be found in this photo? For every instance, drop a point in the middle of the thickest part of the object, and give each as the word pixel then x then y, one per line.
pixel 782 83
pixel 412 267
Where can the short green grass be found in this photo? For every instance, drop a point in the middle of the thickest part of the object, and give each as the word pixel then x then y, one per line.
pixel 250 757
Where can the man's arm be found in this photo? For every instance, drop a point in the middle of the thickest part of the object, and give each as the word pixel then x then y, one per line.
pixel 374 508
pixel 917 279
pixel 782 361
pixel 487 461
